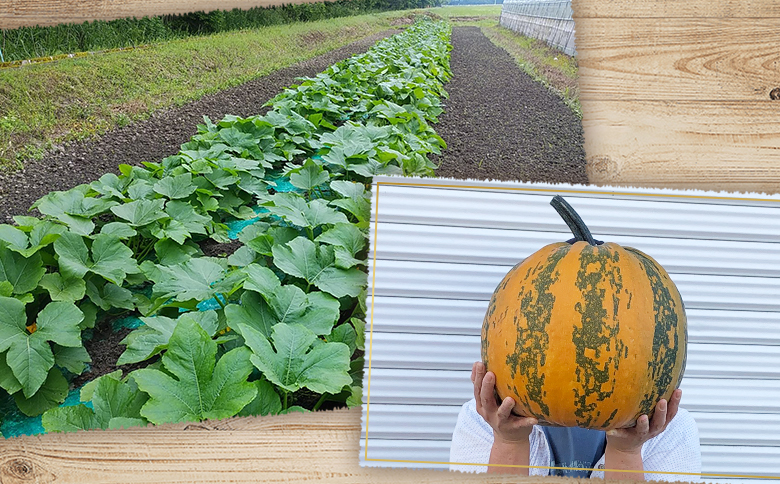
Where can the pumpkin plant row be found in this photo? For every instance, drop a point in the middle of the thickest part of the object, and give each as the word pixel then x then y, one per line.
pixel 277 323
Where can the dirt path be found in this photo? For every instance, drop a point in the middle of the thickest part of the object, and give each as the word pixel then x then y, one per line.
pixel 155 138
pixel 500 124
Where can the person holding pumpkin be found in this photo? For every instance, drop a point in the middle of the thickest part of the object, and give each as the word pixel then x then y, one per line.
pixel 584 347
pixel 489 432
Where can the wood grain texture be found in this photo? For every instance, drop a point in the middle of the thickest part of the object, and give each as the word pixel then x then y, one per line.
pixel 665 9
pixel 680 94
pixel 314 447
pixel 22 13
pixel 690 59
pixel 732 146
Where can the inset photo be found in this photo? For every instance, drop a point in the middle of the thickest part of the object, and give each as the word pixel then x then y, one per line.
pixel 558 329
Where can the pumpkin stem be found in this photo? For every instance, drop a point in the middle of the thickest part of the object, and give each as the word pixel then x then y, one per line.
pixel 572 219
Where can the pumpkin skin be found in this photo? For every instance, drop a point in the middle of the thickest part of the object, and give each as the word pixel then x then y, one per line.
pixel 583 335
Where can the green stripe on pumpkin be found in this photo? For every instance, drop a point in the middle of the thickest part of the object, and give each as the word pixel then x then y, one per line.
pixel 598 268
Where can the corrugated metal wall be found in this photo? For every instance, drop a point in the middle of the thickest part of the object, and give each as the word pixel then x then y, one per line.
pixel 550 21
pixel 441 250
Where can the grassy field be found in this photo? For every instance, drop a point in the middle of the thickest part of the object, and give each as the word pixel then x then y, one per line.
pixel 46 104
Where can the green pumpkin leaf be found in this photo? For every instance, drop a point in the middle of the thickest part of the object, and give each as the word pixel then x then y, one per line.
pixel 8 381
pixel 110 257
pixel 52 393
pixel 115 404
pixel 118 229
pixel 344 333
pixel 70 419
pixel 171 253
pixel 348 240
pixel 316 264
pixel 184 213
pixel 140 212
pixel 292 363
pixel 308 176
pixel 178 186
pixel 267 401
pixel 109 296
pixel 73 359
pixel 22 273
pixel 191 280
pixel 63 289
pixel 296 210
pixel 193 387
pixel 261 279
pixel 152 338
pixel 13 238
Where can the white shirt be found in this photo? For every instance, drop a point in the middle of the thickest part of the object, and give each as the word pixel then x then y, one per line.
pixel 676 449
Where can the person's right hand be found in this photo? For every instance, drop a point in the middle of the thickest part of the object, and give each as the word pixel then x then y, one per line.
pixel 507 427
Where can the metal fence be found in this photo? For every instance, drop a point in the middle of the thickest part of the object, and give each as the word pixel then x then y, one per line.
pixel 550 21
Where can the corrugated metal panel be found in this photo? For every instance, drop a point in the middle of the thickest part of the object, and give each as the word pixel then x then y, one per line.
pixel 434 243
pixel 477 282
pixel 441 252
pixel 604 216
pixel 447 316
pixel 455 352
pixel 449 387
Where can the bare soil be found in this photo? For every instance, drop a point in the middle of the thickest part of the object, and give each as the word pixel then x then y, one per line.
pixel 501 125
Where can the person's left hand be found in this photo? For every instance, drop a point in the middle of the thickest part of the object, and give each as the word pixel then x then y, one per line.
pixel 630 440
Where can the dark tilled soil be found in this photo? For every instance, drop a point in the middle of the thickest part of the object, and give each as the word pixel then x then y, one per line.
pixel 155 138
pixel 499 124
pixel 104 349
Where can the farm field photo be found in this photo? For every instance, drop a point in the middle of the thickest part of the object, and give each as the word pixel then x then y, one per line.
pixel 187 243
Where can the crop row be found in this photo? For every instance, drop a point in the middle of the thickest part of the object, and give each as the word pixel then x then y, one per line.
pixel 277 325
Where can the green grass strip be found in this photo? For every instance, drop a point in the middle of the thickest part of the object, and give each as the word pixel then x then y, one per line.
pixel 46 104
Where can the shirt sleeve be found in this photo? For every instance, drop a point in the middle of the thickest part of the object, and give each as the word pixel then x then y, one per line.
pixel 676 449
pixel 472 440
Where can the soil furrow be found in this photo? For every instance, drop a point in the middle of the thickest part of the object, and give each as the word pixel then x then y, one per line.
pixel 499 124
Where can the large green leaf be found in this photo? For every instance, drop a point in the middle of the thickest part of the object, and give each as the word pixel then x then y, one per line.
pixel 22 273
pixel 51 393
pixel 348 240
pixel 110 257
pixel 296 210
pixel 178 186
pixel 294 362
pixel 29 354
pixel 316 311
pixel 267 401
pixel 63 288
pixel 140 212
pixel 115 404
pixel 191 280
pixel 316 264
pixel 152 338
pixel 193 387
pixel 308 176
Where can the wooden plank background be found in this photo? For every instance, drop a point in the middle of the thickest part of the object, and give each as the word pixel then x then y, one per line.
pixel 677 94
pixel 674 93
pixel 15 13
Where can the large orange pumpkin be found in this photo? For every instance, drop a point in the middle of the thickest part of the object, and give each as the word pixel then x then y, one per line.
pixel 585 334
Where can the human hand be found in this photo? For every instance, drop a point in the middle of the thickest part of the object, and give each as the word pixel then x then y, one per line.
pixel 507 427
pixel 630 440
